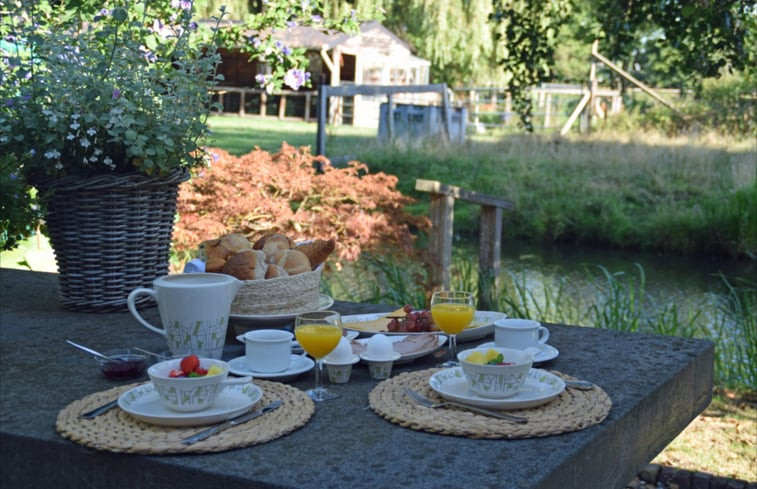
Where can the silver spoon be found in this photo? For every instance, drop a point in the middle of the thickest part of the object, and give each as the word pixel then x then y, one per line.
pixel 93 352
pixel 158 355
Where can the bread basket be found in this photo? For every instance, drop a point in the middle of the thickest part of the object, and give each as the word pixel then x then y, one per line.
pixel 276 296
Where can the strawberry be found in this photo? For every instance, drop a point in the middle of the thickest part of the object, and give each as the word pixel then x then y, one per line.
pixel 190 363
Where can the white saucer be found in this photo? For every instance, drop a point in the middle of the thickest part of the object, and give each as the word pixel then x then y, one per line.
pixel 143 403
pixel 298 364
pixel 546 352
pixel 409 357
pixel 540 388
pixel 482 325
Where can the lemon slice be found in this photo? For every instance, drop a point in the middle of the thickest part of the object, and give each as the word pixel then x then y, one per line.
pixel 490 355
pixel 214 370
pixel 476 357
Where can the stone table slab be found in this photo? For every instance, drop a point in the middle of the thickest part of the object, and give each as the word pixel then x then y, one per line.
pixel 657 384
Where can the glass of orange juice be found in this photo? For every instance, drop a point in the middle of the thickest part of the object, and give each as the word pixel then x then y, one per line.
pixel 452 312
pixel 318 332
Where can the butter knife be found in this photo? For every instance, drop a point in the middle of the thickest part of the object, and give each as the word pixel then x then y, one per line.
pixel 242 418
pixel 99 410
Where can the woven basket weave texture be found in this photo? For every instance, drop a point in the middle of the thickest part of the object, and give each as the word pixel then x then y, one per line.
pixel 111 234
pixel 278 295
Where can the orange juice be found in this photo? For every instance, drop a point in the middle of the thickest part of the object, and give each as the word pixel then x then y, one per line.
pixel 452 318
pixel 318 339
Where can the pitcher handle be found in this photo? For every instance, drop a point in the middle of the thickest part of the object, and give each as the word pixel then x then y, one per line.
pixel 133 308
pixel 543 335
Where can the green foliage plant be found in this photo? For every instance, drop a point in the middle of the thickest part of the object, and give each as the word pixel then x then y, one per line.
pixel 91 89
pixel 297 194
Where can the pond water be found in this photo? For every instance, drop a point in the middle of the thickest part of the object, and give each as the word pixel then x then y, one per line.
pixel 691 283
pixel 665 275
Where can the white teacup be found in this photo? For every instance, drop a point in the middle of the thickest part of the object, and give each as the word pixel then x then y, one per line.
pixel 194 311
pixel 519 334
pixel 268 350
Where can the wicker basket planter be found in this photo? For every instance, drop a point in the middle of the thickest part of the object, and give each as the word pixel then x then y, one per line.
pixel 111 234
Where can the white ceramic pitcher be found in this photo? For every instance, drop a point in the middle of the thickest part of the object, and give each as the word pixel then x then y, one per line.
pixel 194 309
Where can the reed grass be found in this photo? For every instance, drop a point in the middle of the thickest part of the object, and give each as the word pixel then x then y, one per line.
pixel 610 300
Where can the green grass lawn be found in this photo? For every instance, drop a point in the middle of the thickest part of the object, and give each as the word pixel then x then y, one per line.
pixel 240 135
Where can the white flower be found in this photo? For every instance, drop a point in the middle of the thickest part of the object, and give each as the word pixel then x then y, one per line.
pixel 52 154
pixel 91 131
pixel 84 143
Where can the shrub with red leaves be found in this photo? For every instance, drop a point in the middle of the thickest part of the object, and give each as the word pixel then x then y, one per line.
pixel 284 192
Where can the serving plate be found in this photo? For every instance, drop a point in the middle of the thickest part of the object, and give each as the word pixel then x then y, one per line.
pixel 370 324
pixel 143 403
pixel 540 388
pixel 409 357
pixel 324 302
pixel 298 364
pixel 546 352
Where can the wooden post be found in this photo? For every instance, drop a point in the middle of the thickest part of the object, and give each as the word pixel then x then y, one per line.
pixel 442 211
pixel 263 102
pixel 320 144
pixel 242 100
pixel 282 105
pixel 548 110
pixel 446 112
pixel 390 116
pixel 489 252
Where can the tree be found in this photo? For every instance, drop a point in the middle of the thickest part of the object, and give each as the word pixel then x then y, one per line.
pixel 688 41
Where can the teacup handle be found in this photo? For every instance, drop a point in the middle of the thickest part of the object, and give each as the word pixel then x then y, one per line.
pixel 543 335
pixel 133 308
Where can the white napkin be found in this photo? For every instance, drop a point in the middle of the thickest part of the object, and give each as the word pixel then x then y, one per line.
pixel 194 266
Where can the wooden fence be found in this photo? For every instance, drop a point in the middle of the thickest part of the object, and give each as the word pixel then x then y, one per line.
pixel 487 107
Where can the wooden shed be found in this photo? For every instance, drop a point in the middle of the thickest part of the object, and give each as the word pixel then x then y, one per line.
pixel 373 56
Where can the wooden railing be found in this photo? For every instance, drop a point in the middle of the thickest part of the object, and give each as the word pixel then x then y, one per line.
pixel 442 213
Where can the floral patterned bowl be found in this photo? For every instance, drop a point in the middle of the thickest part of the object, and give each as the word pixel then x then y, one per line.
pixel 188 394
pixel 497 381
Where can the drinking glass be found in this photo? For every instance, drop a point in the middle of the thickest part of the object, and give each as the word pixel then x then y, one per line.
pixel 452 312
pixel 319 332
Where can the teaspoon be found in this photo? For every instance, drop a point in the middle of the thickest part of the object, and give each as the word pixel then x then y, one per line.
pixel 93 352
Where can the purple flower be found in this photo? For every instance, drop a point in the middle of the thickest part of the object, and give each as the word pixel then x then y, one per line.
pixel 317 18
pixel 286 50
pixel 116 93
pixel 296 78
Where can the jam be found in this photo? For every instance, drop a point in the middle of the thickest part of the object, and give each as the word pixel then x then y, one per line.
pixel 123 367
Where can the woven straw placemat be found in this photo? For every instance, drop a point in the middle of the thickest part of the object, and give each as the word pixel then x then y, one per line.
pixel 572 410
pixel 117 431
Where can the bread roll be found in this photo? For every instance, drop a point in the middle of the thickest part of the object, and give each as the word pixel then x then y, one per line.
pixel 293 261
pixel 260 243
pixel 275 271
pixel 217 251
pixel 235 243
pixel 276 244
pixel 246 265
pixel 317 250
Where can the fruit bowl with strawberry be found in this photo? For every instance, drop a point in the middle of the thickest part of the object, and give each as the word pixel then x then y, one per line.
pixel 191 383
